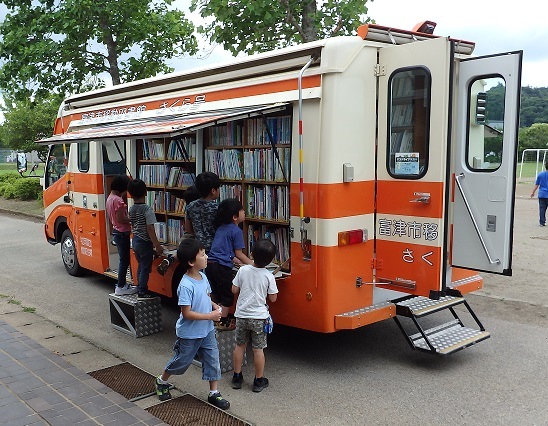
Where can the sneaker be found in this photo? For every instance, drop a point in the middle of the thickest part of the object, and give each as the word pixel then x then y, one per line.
pixel 145 296
pixel 237 380
pixel 259 384
pixel 163 266
pixel 218 401
pixel 162 390
pixel 225 325
pixel 125 290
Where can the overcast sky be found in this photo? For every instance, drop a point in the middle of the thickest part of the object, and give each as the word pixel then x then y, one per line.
pixel 493 25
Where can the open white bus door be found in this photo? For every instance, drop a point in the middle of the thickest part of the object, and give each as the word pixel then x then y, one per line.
pixel 412 167
pixel 488 98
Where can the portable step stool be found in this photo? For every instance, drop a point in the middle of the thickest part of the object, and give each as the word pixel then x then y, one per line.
pixel 136 317
pixel 443 339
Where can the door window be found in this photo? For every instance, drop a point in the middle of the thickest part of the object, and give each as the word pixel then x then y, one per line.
pixel 486 123
pixel 409 112
pixel 83 156
pixel 113 157
pixel 57 163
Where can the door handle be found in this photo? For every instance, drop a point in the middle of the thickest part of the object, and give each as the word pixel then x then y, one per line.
pixel 423 197
pixel 492 261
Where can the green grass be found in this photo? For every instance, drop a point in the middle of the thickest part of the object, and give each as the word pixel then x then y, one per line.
pixel 12 168
pixel 528 169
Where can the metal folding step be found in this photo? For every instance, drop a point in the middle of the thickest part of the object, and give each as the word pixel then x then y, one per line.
pixel 442 339
pixel 113 273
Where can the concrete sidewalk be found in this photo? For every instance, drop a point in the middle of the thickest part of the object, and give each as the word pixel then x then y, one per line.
pixel 39 387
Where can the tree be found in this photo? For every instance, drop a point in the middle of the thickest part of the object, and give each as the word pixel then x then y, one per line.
pixel 261 25
pixel 534 137
pixel 27 121
pixel 59 45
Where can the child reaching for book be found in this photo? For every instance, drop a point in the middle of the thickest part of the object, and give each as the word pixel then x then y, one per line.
pixel 228 243
pixel 191 194
pixel 254 284
pixel 144 242
pixel 116 209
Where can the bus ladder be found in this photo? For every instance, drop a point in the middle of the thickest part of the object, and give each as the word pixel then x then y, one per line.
pixel 442 339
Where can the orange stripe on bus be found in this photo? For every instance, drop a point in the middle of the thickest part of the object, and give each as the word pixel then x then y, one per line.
pixel 87 183
pixel 328 201
pixel 54 192
pixel 395 197
pixel 217 95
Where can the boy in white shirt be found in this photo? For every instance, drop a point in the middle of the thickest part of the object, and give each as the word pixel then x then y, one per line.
pixel 254 283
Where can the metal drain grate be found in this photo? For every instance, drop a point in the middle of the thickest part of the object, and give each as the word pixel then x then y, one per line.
pixel 189 410
pixel 126 379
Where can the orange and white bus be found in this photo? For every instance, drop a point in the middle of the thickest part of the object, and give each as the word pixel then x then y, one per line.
pixel 372 161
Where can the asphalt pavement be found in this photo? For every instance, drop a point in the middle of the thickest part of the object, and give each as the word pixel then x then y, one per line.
pixel 362 377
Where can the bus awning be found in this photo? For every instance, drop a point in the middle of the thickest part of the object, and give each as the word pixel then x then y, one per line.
pixel 159 127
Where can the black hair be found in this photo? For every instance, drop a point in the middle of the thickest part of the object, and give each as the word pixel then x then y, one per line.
pixel 187 251
pixel 263 252
pixel 119 183
pixel 136 188
pixel 205 182
pixel 191 194
pixel 226 211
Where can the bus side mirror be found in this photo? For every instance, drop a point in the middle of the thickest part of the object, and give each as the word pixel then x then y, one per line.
pixel 481 103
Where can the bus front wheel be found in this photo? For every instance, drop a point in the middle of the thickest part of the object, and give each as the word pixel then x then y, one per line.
pixel 69 254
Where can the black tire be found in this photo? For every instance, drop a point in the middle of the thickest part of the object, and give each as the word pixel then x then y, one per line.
pixel 69 254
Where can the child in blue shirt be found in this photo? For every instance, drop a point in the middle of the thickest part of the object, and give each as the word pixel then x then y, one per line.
pixel 194 328
pixel 227 244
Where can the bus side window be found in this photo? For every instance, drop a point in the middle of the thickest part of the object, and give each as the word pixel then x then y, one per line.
pixel 57 163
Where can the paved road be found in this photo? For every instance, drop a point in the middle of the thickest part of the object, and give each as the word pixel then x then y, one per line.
pixel 364 377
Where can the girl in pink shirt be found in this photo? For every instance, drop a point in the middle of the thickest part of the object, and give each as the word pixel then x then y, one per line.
pixel 121 228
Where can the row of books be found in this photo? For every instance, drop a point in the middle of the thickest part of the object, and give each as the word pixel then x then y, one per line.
pixel 153 149
pixel 269 202
pixel 163 201
pixel 153 174
pixel 229 134
pixel 179 177
pixel 279 128
pixel 174 152
pixel 175 230
pixel 402 86
pixel 278 235
pixel 230 191
pixel 160 175
pixel 401 142
pixel 170 232
pixel 262 164
pixel 402 114
pixel 227 164
pixel 255 130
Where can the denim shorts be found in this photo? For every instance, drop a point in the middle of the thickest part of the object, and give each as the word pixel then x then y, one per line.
pixel 250 329
pixel 185 350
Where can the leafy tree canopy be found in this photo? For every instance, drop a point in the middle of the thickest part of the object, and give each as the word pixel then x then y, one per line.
pixel 534 137
pixel 261 25
pixel 27 121
pixel 62 45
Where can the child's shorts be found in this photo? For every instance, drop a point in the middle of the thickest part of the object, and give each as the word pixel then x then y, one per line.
pixel 247 328
pixel 185 351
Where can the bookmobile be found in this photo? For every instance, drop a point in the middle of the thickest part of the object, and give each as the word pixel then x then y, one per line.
pixel 363 158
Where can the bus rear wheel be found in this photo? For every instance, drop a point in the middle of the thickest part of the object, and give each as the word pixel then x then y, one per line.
pixel 69 254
